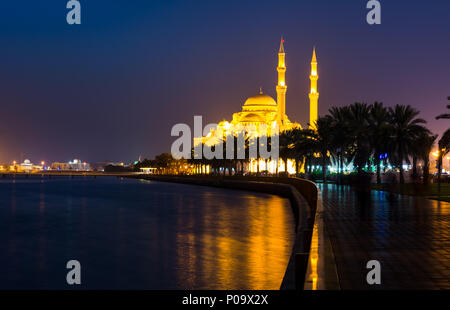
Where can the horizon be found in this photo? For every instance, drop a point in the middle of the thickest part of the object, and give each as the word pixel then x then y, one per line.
pixel 111 88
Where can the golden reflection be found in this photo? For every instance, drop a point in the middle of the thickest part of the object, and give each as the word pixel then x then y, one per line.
pixel 242 241
pixel 264 241
pixel 314 256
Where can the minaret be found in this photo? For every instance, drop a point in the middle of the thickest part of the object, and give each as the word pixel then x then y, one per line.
pixel 281 86
pixel 313 94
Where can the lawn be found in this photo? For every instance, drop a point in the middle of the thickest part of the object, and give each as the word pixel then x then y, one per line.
pixel 429 191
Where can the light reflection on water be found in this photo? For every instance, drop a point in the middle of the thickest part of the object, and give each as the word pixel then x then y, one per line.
pixel 130 234
pixel 239 247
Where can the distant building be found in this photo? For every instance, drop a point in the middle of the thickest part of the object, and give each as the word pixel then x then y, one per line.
pixel 75 165
pixel 26 166
pixel 149 170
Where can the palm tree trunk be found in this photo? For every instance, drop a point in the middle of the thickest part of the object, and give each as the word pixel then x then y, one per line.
pixel 402 178
pixel 310 166
pixel 378 171
pixel 414 168
pixel 359 170
pixel 306 166
pixel 439 172
pixel 426 171
pixel 324 169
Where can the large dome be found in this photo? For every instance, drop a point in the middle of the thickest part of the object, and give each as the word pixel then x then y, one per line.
pixel 260 100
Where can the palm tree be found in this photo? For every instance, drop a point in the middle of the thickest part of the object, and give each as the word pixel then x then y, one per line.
pixel 236 148
pixel 406 129
pixel 324 142
pixel 341 135
pixel 298 152
pixel 445 116
pixel 305 146
pixel 360 150
pixel 379 129
pixel 425 145
pixel 444 148
pixel 319 141
pixel 287 146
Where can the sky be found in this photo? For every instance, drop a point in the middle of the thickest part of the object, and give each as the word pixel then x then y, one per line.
pixel 112 88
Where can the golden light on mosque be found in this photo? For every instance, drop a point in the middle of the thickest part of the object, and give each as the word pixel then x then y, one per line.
pixel 260 114
pixel 227 125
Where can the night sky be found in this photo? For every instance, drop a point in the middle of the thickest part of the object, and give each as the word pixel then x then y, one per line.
pixel 111 88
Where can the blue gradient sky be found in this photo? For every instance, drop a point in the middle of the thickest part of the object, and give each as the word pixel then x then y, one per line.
pixel 113 87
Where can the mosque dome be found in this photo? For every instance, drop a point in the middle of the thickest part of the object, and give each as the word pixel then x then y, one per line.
pixel 260 100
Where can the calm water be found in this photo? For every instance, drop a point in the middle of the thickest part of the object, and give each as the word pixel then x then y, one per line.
pixel 131 234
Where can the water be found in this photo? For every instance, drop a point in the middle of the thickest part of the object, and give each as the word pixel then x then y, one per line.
pixel 132 234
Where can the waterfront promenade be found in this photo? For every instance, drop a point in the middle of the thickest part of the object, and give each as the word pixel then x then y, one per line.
pixel 409 236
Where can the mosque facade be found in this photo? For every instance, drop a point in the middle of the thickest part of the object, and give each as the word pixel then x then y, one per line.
pixel 261 112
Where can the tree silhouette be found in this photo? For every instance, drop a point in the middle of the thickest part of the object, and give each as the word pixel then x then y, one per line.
pixel 445 115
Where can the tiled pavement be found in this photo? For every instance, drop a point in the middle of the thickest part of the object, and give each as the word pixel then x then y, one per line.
pixel 409 236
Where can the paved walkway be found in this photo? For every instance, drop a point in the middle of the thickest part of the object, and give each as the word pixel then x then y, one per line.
pixel 409 236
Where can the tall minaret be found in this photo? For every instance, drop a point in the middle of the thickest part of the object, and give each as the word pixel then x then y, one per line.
pixel 281 86
pixel 313 94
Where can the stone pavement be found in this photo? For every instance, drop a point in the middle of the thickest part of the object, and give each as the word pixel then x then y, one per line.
pixel 409 236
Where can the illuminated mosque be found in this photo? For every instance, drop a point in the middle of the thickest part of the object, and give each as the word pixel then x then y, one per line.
pixel 261 109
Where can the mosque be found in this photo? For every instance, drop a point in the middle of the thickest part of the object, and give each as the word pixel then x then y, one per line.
pixel 261 109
